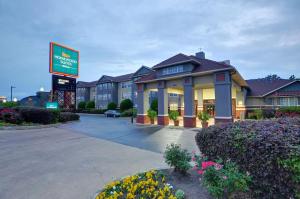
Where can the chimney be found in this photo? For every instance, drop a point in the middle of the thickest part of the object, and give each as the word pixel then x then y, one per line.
pixel 200 55
pixel 227 62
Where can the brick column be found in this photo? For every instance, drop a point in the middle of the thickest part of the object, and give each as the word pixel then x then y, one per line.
pixel 223 98
pixel 162 98
pixel 142 104
pixel 189 119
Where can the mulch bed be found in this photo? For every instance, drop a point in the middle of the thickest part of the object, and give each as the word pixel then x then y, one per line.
pixel 190 184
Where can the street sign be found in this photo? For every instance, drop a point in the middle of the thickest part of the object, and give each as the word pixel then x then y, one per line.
pixel 63 60
pixel 52 105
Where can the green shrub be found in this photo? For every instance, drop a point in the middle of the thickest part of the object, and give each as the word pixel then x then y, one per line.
pixel 268 113
pixel 225 181
pixel 179 194
pixel 292 111
pixel 8 104
pixel 173 115
pixel 11 116
pixel 90 105
pixel 203 116
pixel 258 147
pixel 125 105
pixel 112 106
pixel 177 158
pixel 81 105
pixel 68 116
pixel 154 105
pixel 129 113
pixel 151 114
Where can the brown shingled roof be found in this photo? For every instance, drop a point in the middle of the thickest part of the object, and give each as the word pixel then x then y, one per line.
pixel 82 84
pixel 261 87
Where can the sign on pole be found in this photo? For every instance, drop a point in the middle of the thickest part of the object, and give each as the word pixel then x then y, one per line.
pixel 63 60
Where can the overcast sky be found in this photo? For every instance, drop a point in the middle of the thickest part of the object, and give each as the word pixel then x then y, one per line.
pixel 117 37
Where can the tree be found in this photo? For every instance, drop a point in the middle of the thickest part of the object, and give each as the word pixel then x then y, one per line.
pixel 125 105
pixel 81 105
pixel 90 105
pixel 112 106
pixel 154 105
pixel 272 77
pixel 292 77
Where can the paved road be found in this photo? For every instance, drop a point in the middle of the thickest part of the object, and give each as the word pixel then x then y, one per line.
pixel 120 130
pixel 56 163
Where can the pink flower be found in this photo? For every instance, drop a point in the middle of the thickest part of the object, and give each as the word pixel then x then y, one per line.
pixel 225 177
pixel 193 152
pixel 193 159
pixel 207 164
pixel 200 172
pixel 195 167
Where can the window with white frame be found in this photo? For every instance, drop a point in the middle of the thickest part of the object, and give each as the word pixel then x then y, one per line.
pixel 288 101
pixel 172 70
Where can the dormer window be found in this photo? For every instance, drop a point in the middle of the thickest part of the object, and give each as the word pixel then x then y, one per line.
pixel 172 70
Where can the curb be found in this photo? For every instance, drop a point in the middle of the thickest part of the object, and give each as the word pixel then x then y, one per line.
pixel 29 127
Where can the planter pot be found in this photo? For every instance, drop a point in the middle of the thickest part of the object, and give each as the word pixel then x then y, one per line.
pixel 176 123
pixel 152 121
pixel 204 124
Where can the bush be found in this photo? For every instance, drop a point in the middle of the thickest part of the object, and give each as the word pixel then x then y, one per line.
pixel 8 104
pixel 9 115
pixel 177 158
pixel 67 116
pixel 258 147
pixel 179 194
pixel 203 116
pixel 112 106
pixel 268 113
pixel 154 105
pixel 151 114
pixel 129 113
pixel 90 105
pixel 292 111
pixel 125 105
pixel 38 115
pixel 173 115
pixel 81 105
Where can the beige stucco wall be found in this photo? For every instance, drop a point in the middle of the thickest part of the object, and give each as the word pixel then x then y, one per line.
pixel 208 93
pixel 204 81
pixel 126 92
pixel 254 101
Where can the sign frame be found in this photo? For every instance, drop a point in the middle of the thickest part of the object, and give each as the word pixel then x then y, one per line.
pixel 51 60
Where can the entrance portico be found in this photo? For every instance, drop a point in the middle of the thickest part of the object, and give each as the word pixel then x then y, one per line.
pixel 217 92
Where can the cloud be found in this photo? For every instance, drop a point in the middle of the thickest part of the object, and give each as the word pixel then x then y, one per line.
pixel 117 37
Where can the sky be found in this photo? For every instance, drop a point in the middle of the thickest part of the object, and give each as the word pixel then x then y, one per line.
pixel 116 37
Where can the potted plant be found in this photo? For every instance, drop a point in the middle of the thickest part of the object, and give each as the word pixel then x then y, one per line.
pixel 152 114
pixel 203 117
pixel 173 115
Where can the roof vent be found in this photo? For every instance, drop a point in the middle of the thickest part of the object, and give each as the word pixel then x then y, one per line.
pixel 200 55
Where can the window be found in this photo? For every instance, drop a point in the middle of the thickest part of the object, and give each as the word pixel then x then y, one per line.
pixel 172 70
pixel 173 95
pixel 288 101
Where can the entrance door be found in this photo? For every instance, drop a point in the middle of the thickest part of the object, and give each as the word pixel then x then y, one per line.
pixel 196 107
pixel 234 108
pixel 209 107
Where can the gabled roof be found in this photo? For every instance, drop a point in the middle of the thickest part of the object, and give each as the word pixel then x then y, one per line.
pixel 121 78
pixel 262 87
pixel 137 73
pixel 201 66
pixel 82 84
pixel 176 59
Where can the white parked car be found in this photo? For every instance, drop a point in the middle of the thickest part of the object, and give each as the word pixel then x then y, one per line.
pixel 112 113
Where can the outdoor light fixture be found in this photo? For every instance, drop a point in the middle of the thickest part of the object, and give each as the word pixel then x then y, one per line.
pixel 42 89
pixel 4 101
pixel 15 99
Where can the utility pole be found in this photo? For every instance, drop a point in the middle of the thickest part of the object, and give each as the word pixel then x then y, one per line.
pixel 11 91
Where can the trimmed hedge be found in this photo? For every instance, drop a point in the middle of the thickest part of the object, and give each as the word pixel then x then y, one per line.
pixel 292 111
pixel 68 116
pixel 38 115
pixel 262 148
pixel 126 104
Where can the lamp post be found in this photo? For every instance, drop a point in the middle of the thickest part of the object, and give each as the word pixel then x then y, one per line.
pixel 11 90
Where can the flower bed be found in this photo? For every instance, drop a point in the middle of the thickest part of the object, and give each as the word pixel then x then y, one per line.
pixel 144 185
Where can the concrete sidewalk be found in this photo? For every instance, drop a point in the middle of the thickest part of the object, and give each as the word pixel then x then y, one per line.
pixel 57 163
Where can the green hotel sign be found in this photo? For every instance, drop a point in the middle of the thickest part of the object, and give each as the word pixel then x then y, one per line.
pixel 52 105
pixel 63 60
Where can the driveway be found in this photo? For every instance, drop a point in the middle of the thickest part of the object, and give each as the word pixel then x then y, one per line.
pixel 56 163
pixel 120 130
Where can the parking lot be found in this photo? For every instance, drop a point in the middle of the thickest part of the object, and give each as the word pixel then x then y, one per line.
pixel 120 130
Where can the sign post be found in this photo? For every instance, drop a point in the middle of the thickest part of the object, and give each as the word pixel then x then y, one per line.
pixel 64 65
